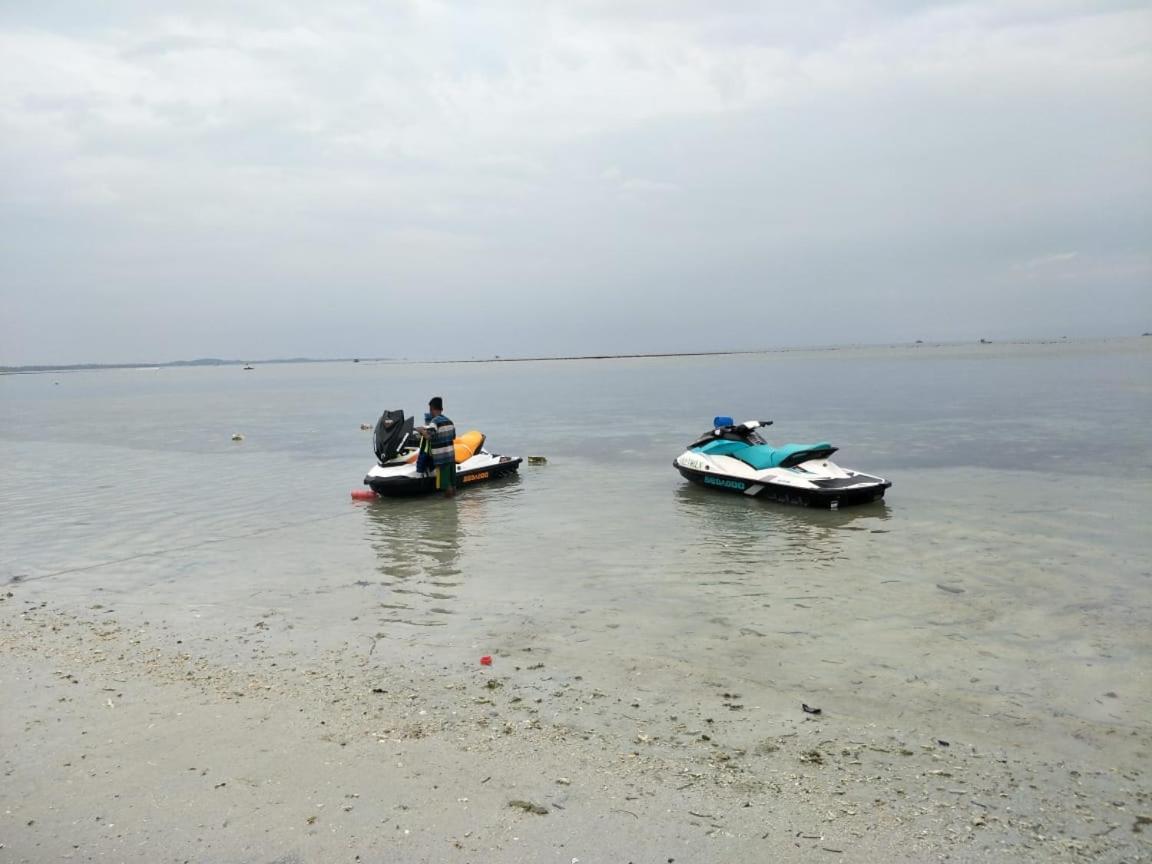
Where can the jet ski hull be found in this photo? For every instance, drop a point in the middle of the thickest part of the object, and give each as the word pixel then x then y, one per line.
pixel 838 492
pixel 402 480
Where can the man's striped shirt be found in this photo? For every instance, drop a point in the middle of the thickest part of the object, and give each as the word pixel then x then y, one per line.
pixel 441 435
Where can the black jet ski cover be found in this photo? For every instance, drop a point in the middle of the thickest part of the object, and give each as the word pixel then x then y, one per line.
pixel 392 430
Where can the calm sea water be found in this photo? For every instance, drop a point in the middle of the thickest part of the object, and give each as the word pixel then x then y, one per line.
pixel 1023 480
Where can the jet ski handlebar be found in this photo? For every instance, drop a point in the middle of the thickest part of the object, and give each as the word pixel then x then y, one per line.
pixel 724 427
pixel 746 426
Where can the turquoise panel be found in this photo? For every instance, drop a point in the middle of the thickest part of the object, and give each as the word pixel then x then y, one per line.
pixel 759 456
pixel 721 447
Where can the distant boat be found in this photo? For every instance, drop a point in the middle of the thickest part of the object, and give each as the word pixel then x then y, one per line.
pixel 248 367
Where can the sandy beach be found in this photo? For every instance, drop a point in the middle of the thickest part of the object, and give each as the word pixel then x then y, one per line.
pixel 121 745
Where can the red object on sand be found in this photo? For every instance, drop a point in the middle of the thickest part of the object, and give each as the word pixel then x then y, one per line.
pixel 486 660
pixel 363 495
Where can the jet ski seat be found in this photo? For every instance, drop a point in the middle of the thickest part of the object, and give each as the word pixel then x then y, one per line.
pixel 761 456
pixel 468 445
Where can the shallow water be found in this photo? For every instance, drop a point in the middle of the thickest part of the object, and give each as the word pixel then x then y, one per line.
pixel 1003 588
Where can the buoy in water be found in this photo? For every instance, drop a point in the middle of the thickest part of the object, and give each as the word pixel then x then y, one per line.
pixel 363 495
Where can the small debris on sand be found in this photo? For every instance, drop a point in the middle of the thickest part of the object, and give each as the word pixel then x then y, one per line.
pixel 529 807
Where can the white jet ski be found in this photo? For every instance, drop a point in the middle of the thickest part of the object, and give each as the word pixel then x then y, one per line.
pixel 398 471
pixel 733 457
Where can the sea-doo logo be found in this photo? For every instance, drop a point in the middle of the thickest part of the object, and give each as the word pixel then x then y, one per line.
pixel 469 478
pixel 720 481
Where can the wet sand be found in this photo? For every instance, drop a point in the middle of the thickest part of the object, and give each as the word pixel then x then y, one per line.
pixel 124 743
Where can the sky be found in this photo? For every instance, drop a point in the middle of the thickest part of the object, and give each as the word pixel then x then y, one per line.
pixel 441 179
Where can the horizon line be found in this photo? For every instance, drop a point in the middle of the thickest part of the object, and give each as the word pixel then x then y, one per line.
pixel 496 358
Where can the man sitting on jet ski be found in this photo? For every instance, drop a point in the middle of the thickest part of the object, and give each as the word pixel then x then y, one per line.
pixel 440 436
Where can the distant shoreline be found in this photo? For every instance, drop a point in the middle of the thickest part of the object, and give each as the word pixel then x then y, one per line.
pixel 180 364
pixel 603 356
pixel 212 362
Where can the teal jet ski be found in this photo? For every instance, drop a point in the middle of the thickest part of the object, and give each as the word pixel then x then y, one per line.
pixel 734 457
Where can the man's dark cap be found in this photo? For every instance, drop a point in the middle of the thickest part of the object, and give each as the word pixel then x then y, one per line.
pixel 436 402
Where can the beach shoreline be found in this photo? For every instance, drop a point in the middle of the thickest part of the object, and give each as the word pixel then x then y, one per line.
pixel 918 345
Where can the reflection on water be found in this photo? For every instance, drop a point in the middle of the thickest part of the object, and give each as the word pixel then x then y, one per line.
pixel 417 543
pixel 747 530
pixel 415 539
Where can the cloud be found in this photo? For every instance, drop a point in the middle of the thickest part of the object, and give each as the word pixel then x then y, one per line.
pixel 1045 262
pixel 159 158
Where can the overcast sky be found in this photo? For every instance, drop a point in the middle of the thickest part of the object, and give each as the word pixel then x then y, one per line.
pixel 424 178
